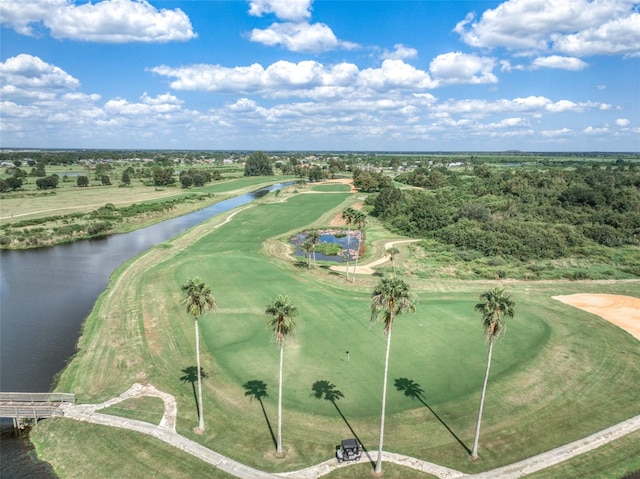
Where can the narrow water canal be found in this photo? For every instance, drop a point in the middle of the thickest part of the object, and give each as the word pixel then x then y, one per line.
pixel 45 295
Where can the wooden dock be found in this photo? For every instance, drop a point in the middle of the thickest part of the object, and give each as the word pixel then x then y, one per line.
pixel 33 405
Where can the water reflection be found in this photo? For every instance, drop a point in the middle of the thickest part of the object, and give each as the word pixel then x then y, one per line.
pixel 349 244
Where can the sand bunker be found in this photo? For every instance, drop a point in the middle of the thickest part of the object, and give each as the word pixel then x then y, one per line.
pixel 623 311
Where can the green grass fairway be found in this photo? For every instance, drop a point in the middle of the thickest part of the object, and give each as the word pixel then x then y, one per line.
pixel 331 187
pixel 558 375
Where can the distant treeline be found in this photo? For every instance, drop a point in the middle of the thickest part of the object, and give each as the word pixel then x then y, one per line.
pixel 73 156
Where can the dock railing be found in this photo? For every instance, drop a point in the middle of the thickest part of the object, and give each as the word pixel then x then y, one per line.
pixel 33 405
pixel 37 397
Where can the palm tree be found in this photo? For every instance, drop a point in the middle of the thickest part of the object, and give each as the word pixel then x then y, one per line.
pixel 282 312
pixel 348 215
pixel 313 237
pixel 390 298
pixel 494 306
pixel 307 248
pixel 360 220
pixel 392 253
pixel 199 300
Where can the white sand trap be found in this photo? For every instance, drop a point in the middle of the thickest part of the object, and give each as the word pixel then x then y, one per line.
pixel 623 311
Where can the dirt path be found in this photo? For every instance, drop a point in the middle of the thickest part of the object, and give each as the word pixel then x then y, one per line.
pixel 165 431
pixel 366 268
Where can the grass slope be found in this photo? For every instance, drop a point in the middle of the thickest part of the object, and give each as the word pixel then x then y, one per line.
pixel 558 375
pixel 113 453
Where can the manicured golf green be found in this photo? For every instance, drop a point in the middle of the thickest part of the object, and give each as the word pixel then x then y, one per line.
pixel 558 375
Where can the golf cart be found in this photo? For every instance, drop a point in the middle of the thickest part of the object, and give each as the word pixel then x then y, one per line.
pixel 349 450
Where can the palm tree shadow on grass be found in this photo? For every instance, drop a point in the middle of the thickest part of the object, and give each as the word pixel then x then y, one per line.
pixel 256 389
pixel 191 376
pixel 413 390
pixel 326 390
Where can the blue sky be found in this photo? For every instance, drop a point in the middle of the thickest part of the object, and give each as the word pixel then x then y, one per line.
pixel 421 75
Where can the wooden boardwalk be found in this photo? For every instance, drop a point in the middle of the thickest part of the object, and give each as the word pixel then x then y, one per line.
pixel 33 405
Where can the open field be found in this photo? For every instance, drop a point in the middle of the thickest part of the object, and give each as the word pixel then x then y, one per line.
pixel 558 375
pixel 66 215
pixel 40 204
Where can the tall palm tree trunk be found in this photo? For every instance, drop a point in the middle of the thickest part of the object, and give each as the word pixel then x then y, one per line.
pixel 200 405
pixel 355 267
pixel 348 250
pixel 474 451
pixel 279 441
pixel 384 401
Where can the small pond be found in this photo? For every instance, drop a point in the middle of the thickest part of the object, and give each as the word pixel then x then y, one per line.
pixel 349 243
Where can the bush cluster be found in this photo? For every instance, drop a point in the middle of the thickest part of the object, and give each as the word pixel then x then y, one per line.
pixel 517 212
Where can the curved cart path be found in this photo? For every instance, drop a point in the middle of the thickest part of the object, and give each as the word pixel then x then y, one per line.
pixel 165 431
pixel 366 268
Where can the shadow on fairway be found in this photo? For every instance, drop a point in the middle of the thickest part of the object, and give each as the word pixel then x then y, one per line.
pixel 413 390
pixel 326 390
pixel 256 389
pixel 190 375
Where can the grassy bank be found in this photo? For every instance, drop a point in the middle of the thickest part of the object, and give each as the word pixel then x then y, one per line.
pixel 558 375
pixel 80 450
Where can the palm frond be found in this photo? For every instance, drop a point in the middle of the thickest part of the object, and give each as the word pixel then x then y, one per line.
pixel 198 299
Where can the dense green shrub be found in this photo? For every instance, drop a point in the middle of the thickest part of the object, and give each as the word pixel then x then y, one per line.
pixel 99 228
pixel 258 164
pixel 47 182
pixel 519 213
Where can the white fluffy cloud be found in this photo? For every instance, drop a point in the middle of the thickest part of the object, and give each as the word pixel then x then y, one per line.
pixel 456 68
pixel 298 104
pixel 298 37
pixel 285 78
pixel 395 74
pixel 245 78
pixel 557 61
pixel 161 104
pixel 597 130
pixel 577 27
pixel 296 33
pixel 400 52
pixel 531 104
pixel 108 21
pixel 27 72
pixel 291 10
pixel 560 133
pixel 618 36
